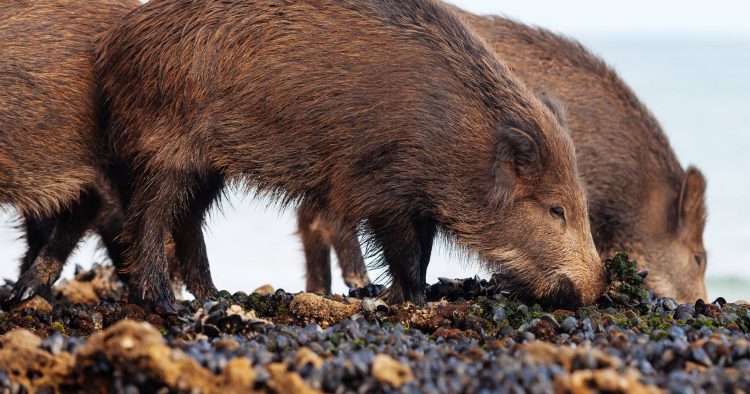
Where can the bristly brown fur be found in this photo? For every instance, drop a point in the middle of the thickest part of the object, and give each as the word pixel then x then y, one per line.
pixel 51 159
pixel 633 178
pixel 622 154
pixel 390 113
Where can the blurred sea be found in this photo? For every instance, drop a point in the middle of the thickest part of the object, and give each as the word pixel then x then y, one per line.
pixel 698 88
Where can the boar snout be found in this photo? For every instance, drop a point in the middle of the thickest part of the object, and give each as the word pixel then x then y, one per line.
pixel 593 283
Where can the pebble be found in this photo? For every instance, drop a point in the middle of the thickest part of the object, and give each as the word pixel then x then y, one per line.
pixel 669 304
pixel 551 319
pixel 373 305
pixel 498 314
pixel 570 324
pixel 683 312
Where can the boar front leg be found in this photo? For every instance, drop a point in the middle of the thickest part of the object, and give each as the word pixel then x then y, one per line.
pixel 190 246
pixel 406 251
pixel 150 215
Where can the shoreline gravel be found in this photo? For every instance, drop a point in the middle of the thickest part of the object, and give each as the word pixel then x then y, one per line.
pixel 470 337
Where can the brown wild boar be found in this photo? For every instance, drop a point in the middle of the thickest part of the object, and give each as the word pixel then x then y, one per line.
pixel 389 113
pixel 640 199
pixel 49 157
pixel 52 159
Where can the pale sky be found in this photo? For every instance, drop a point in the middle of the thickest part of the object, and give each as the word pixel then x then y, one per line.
pixel 723 17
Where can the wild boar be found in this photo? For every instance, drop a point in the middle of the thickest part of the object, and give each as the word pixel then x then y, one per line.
pixel 640 199
pixel 49 157
pixel 389 113
pixel 55 168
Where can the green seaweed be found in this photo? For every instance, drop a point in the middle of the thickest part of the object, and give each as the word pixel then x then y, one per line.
pixel 59 327
pixel 624 282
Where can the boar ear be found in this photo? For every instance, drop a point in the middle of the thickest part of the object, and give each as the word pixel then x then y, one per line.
pixel 555 106
pixel 517 166
pixel 691 205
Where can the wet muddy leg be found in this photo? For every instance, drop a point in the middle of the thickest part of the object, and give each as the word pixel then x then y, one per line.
pixel 150 215
pixel 316 243
pixel 187 233
pixel 349 254
pixel 51 241
pixel 406 250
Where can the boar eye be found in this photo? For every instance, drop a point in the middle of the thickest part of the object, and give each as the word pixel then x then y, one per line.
pixel 698 259
pixel 557 212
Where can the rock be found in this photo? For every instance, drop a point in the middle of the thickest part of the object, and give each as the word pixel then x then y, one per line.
pixel 305 356
pixel 498 314
pixel 569 325
pixel 239 311
pixel 89 287
pixel 264 290
pixel 388 371
pixel 37 303
pixel 282 381
pixel 683 313
pixel 700 356
pixel 373 305
pixel 98 320
pixel 669 304
pixel 29 365
pixel 312 308
pixel 608 381
pixel 130 347
pixel 544 352
pixel 676 332
pixel 551 320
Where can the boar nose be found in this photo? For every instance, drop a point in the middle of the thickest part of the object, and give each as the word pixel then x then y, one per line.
pixel 597 282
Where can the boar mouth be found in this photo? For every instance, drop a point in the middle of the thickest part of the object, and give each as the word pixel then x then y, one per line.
pixel 558 290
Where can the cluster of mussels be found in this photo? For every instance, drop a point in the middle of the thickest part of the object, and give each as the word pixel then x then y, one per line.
pixel 471 336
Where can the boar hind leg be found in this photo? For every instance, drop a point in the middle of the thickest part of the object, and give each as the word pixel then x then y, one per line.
pixel 190 247
pixel 406 252
pixel 316 243
pixel 349 254
pixel 51 241
pixel 109 227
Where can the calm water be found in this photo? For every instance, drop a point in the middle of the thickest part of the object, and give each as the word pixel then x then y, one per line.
pixel 698 89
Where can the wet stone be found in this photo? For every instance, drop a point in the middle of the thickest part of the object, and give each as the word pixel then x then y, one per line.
pixel 498 314
pixel 676 332
pixel 669 304
pixel 683 313
pixel 699 355
pixel 570 324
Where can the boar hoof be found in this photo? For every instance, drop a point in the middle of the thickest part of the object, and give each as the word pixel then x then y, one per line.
pixel 357 281
pixel 167 308
pixel 202 290
pixel 395 295
pixel 162 307
pixel 26 288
